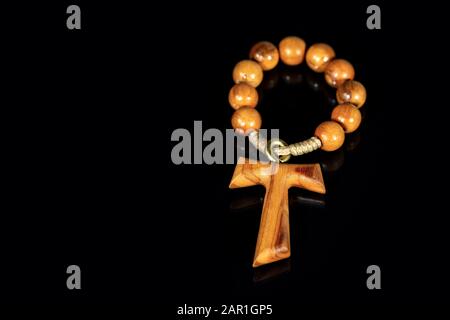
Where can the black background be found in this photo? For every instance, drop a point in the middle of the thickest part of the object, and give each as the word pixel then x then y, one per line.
pixel 93 183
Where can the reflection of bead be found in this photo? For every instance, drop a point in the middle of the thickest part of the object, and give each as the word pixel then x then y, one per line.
pixel 248 71
pixel 266 54
pixel 352 141
pixel 348 116
pixel 243 95
pixel 333 161
pixel 353 92
pixel 292 50
pixel 246 119
pixel 270 80
pixel 318 56
pixel 337 71
pixel 291 77
pixel 331 134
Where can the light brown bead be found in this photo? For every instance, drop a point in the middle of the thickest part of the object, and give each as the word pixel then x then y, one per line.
pixel 337 71
pixel 243 95
pixel 331 134
pixel 246 119
pixel 318 56
pixel 266 54
pixel 248 71
pixel 348 116
pixel 353 92
pixel 292 50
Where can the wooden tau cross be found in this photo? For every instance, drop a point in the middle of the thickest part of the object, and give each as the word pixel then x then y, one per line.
pixel 273 242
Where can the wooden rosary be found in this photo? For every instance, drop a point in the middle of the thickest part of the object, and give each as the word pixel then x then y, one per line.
pixel 273 242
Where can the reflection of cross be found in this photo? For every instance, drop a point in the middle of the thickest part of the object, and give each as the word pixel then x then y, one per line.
pixel 273 242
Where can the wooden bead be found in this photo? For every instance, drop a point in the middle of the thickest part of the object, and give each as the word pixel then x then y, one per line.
pixel 337 71
pixel 318 56
pixel 246 119
pixel 266 54
pixel 348 116
pixel 248 71
pixel 292 50
pixel 243 95
pixel 352 92
pixel 331 134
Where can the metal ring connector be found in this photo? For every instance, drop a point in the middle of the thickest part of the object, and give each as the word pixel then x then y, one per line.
pixel 274 156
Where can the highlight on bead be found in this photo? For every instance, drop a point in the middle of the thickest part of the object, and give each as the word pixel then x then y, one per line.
pixel 243 95
pixel 245 119
pixel 338 71
pixel 353 92
pixel 348 116
pixel 266 54
pixel 318 56
pixel 331 134
pixel 248 71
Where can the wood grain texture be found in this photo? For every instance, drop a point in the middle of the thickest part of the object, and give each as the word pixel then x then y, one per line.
pixel 243 95
pixel 318 56
pixel 331 134
pixel 338 71
pixel 351 92
pixel 292 50
pixel 248 71
pixel 348 116
pixel 266 54
pixel 273 242
pixel 246 119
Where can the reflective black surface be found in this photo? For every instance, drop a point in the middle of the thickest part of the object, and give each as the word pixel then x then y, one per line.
pixel 93 183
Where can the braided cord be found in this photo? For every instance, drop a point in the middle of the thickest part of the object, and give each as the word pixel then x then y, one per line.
pixel 299 148
pixel 295 149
